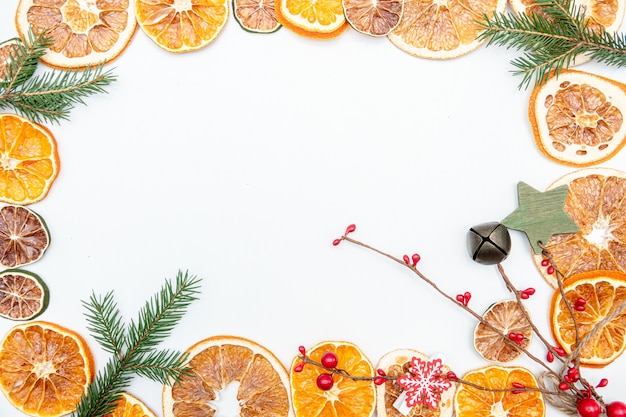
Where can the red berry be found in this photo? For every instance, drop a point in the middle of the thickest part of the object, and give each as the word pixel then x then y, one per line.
pixel 452 376
pixel 616 409
pixel 550 270
pixel 603 383
pixel 329 360
pixel 299 367
pixel 325 382
pixel 381 372
pixel 351 228
pixel 588 407
pixel 550 357
pixel 302 350
pixel 336 242
pixel 545 262
pixel 563 386
pixel 379 380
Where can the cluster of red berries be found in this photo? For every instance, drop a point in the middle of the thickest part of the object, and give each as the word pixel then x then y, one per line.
pixel 589 407
pixel 546 263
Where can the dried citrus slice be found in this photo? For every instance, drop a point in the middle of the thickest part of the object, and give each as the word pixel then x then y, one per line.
pixel 596 201
pixel 373 17
pixel 182 25
pixel 130 406
pixel 508 317
pixel 322 19
pixel 24 236
pixel 23 295
pixel 347 397
pixel 45 368
pixel 600 293
pixel 219 361
pixel 577 118
pixel 85 33
pixel 8 52
pixel 396 363
pixel 257 16
pixel 29 161
pixel 473 402
pixel 442 29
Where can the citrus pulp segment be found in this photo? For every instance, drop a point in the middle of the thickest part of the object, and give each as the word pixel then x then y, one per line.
pixel 182 25
pixel 23 295
pixel 322 19
pixel 85 33
pixel 577 118
pixel 346 397
pixel 257 16
pixel 373 17
pixel 395 364
pixel 442 29
pixel 130 406
pixel 603 292
pixel 219 361
pixel 596 202
pixel 24 236
pixel 29 160
pixel 473 402
pixel 45 368
pixel 509 318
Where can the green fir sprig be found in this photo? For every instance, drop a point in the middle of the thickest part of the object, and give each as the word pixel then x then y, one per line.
pixel 50 96
pixel 133 346
pixel 551 40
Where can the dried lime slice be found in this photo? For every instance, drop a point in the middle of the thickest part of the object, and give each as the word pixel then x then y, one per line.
pixel 257 16
pixel 23 295
pixel 24 236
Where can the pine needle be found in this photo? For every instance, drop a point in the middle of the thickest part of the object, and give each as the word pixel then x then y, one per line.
pixel 133 347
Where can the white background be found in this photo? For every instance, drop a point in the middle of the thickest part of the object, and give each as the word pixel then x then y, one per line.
pixel 241 163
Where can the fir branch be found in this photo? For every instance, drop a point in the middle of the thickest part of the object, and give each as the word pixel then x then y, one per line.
pixel 52 95
pixel 133 348
pixel 551 39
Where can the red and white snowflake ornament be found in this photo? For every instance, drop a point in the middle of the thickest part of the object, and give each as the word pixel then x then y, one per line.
pixel 424 383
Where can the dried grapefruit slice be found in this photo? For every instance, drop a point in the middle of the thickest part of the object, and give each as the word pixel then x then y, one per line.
pixel 130 406
pixel 24 236
pixel 29 161
pixel 85 33
pixel 508 317
pixel 577 118
pixel 23 295
pixel 596 201
pixel 373 17
pixel 257 16
pixel 219 361
pixel 603 292
pixel 347 397
pixel 473 402
pixel 396 363
pixel 322 19
pixel 45 368
pixel 442 29
pixel 182 25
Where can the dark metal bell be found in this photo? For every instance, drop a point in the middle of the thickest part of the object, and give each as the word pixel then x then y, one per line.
pixel 489 243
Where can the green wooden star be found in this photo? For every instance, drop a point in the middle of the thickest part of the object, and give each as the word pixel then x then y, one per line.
pixel 540 214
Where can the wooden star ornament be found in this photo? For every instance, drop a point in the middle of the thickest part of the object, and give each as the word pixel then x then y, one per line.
pixel 540 215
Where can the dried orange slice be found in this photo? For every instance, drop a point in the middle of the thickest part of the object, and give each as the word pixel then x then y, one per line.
pixel 603 292
pixel 374 18
pixel 23 295
pixel 29 161
pixel 85 33
pixel 596 201
pixel 217 362
pixel 442 29
pixel 577 118
pixel 347 397
pixel 24 236
pixel 396 363
pixel 508 317
pixel 256 16
pixel 45 368
pixel 130 406
pixel 322 19
pixel 473 402
pixel 182 25
pixel 8 52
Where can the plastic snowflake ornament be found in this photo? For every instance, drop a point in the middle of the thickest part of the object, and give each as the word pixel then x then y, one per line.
pixel 424 383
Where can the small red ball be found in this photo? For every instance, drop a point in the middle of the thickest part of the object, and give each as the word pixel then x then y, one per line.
pixel 588 407
pixel 329 360
pixel 616 409
pixel 325 382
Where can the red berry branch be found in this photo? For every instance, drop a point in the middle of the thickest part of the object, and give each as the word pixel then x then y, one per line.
pixel 564 388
